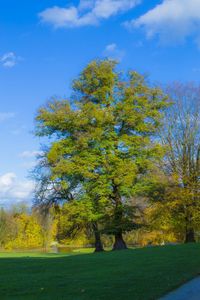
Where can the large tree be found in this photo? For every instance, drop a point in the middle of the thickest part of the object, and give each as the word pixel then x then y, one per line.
pixel 103 140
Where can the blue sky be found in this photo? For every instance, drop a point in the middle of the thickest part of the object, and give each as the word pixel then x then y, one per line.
pixel 45 44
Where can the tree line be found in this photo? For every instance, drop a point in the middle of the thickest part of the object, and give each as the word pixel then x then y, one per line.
pixel 22 228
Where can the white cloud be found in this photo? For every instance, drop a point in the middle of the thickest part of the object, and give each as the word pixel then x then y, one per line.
pixel 111 48
pixel 4 116
pixel 86 4
pixel 29 165
pixel 13 189
pixel 88 12
pixel 29 158
pixel 108 8
pixel 9 60
pixel 172 20
pixel 30 154
pixel 112 51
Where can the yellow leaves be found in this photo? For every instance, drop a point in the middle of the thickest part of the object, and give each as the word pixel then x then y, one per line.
pixel 156 237
pixel 29 233
pixel 124 173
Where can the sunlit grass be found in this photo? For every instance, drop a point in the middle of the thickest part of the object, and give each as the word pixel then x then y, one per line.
pixel 141 274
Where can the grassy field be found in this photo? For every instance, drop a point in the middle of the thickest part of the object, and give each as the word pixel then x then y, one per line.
pixel 146 274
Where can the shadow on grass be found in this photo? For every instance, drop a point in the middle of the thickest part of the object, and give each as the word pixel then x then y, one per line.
pixel 146 273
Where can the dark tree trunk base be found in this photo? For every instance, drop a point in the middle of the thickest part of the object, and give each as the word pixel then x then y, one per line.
pixel 189 237
pixel 98 248
pixel 119 242
pixel 98 243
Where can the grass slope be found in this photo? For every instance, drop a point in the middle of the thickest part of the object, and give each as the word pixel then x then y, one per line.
pixel 146 274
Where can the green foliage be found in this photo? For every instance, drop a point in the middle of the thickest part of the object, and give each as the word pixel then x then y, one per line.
pixel 74 224
pixel 103 141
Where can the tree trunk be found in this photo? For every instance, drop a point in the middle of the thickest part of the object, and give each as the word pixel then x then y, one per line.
pixel 119 242
pixel 189 231
pixel 98 243
pixel 189 236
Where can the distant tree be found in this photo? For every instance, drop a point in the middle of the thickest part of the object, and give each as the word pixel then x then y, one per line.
pixel 3 227
pixel 8 230
pixel 28 232
pixel 181 136
pixel 45 217
pixel 103 141
pixel 19 228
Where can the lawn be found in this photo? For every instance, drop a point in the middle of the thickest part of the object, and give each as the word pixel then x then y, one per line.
pixel 146 274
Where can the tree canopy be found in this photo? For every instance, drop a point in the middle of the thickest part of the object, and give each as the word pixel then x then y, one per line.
pixel 103 141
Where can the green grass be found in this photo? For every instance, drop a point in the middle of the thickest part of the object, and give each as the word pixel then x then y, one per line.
pixel 146 274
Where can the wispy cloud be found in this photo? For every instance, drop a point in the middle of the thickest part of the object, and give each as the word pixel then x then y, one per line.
pixel 18 129
pixel 171 21
pixel 29 158
pixel 88 12
pixel 4 116
pixel 9 60
pixel 113 51
pixel 30 154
